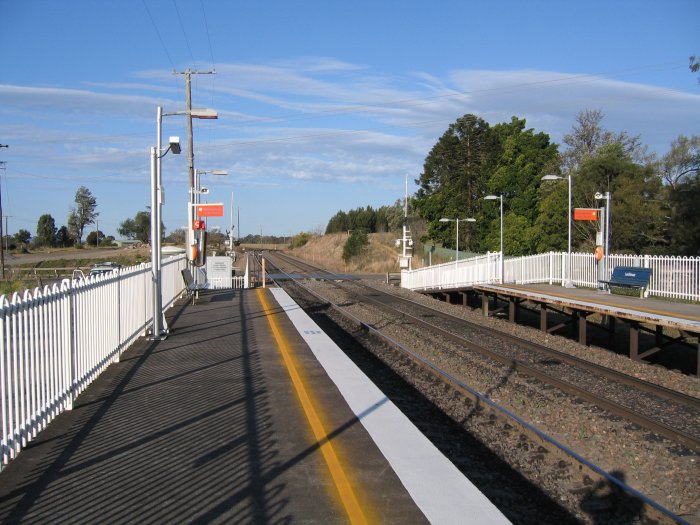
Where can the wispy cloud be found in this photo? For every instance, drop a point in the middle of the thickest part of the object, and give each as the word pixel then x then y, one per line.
pixel 310 121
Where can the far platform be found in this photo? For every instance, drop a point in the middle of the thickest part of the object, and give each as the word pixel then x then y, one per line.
pixel 579 303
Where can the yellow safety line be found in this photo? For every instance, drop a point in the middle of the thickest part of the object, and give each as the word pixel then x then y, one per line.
pixel 597 301
pixel 342 484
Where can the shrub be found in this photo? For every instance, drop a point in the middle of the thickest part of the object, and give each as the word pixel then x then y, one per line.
pixel 355 244
pixel 300 239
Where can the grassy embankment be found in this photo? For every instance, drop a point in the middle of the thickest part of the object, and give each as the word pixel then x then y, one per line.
pixel 380 256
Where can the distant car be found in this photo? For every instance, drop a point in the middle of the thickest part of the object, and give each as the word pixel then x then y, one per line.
pixel 103 268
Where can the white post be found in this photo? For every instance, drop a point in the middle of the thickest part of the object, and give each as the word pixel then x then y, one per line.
pixel 569 283
pixel 457 244
pixel 502 252
pixel 154 247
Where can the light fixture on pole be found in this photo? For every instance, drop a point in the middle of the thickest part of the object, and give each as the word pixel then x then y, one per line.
pixel 157 200
pixel 157 154
pixel 494 198
pixel 457 243
pixel 568 282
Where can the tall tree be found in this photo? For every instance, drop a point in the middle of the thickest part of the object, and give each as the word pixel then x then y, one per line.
pixel 523 158
pixel 73 230
pixel 455 174
pixel 588 136
pixel 84 211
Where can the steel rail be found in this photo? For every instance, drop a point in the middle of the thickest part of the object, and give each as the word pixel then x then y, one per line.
pixel 676 435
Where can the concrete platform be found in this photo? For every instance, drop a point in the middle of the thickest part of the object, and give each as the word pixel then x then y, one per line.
pixel 231 419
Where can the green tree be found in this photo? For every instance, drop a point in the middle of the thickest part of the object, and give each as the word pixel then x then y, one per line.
pixel 23 237
pixel 684 232
pixel 551 225
pixel 355 244
pixel 138 228
pixel 455 174
pixel 637 222
pixel 523 158
pixel 300 239
pixel 84 212
pixel 338 223
pixel 63 237
pixel 45 231
pixel 95 238
pixel 694 64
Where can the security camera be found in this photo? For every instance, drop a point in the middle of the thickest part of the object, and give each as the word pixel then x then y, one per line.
pixel 175 145
pixel 204 191
pixel 598 195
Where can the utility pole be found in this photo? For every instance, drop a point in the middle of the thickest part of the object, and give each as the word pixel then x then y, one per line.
pixel 7 232
pixel 190 151
pixel 188 90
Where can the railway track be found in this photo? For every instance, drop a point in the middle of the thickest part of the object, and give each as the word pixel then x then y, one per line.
pixel 595 384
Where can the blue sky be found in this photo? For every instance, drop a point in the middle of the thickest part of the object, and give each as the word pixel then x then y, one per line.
pixel 322 105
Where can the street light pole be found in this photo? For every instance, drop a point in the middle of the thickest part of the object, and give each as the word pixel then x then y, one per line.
pixel 156 203
pixel 493 198
pixel 568 282
pixel 457 243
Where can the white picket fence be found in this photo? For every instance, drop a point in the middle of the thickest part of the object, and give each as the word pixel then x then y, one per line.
pixel 54 342
pixel 672 277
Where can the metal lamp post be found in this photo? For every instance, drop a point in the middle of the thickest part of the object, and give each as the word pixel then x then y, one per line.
pixel 197 177
pixel 457 243
pixel 568 282
pixel 157 154
pixel 493 198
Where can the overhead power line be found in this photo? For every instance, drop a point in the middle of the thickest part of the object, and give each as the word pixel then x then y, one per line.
pixel 184 34
pixel 165 48
pixel 206 27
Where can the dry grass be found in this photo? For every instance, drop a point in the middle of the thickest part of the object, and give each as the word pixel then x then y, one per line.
pixel 327 251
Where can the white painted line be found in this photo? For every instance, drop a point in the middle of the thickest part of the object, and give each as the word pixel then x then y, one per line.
pixel 441 491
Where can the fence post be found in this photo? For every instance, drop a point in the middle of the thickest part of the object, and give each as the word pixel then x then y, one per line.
pixel 72 357
pixel 119 316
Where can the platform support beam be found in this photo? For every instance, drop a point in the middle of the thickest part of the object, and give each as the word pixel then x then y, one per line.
pixel 543 317
pixel 582 325
pixel 634 341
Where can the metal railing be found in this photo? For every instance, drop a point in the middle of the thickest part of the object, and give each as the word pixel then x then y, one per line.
pixel 55 341
pixel 672 277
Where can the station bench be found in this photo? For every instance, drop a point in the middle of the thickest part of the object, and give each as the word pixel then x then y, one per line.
pixel 193 287
pixel 630 277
